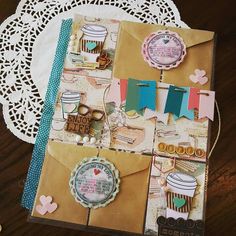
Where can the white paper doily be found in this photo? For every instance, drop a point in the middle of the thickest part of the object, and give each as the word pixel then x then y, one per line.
pixel 28 42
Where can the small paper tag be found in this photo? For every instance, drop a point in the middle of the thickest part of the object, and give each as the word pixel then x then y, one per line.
pixel 193 102
pixel 206 104
pixel 123 89
pixel 184 111
pixel 147 95
pixel 174 100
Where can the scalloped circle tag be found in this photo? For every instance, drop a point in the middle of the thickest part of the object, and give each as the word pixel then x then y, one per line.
pixel 163 49
pixel 94 182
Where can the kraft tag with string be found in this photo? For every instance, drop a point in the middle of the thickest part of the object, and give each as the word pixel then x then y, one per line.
pixel 174 100
pixel 206 104
pixel 193 102
pixel 133 95
pixel 184 111
pixel 147 96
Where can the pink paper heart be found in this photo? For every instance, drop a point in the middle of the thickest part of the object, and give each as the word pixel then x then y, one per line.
pixel 51 207
pixel 203 80
pixel 200 73
pixel 45 200
pixel 193 78
pixel 42 210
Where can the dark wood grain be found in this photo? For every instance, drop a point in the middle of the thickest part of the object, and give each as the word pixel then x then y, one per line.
pixel 218 16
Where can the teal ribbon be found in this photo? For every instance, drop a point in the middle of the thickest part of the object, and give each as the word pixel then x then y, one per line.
pixel 36 163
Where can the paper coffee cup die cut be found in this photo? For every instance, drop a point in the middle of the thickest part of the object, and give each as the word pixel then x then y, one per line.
pixel 94 182
pixel 69 103
pixel 164 49
pixel 92 41
pixel 181 192
pixel 181 183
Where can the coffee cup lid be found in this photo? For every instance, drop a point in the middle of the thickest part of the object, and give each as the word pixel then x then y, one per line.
pixel 70 95
pixel 181 180
pixel 94 30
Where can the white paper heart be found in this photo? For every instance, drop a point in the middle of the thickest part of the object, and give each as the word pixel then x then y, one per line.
pixel 193 78
pixel 203 80
pixel 45 200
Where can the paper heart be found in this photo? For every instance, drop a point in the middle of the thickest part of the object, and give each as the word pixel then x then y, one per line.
pixel 51 207
pixel 45 200
pixel 179 202
pixel 193 78
pixel 200 73
pixel 203 80
pixel 166 41
pixel 42 210
pixel 199 77
pixel 69 107
pixel 96 171
pixel 91 45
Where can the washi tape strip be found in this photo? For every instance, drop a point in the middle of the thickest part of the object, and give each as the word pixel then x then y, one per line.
pixel 46 119
pixel 163 49
pixel 94 182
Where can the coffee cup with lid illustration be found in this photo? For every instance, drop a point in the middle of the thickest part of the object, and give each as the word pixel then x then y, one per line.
pixel 181 188
pixel 70 102
pixel 92 41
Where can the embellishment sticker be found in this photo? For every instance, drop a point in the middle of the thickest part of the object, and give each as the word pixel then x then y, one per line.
pixel 94 182
pixel 164 49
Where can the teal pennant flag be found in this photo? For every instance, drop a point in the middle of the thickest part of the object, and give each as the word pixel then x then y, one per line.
pixel 148 93
pixel 184 111
pixel 133 95
pixel 174 100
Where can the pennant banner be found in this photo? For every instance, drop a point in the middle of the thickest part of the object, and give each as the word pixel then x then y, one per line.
pixel 162 94
pixel 133 95
pixel 174 100
pixel 184 111
pixel 193 102
pixel 123 89
pixel 206 104
pixel 147 96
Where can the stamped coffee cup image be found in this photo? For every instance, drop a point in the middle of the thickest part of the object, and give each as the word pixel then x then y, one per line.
pixel 180 195
pixel 70 101
pixel 92 41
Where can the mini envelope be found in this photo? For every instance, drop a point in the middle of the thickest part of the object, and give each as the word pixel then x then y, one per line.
pixel 129 61
pixel 125 213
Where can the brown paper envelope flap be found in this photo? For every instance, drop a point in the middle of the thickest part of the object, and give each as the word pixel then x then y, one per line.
pixel 69 155
pixel 127 163
pixel 191 37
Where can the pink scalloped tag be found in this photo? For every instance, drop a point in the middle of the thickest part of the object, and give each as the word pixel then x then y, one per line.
pixel 164 49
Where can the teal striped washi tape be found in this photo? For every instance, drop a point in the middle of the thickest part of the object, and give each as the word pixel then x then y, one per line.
pixel 36 163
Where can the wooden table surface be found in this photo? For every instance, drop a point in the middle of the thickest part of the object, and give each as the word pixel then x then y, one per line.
pixel 15 155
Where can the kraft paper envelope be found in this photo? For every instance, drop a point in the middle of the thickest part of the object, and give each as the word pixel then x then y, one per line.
pixel 129 62
pixel 125 213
